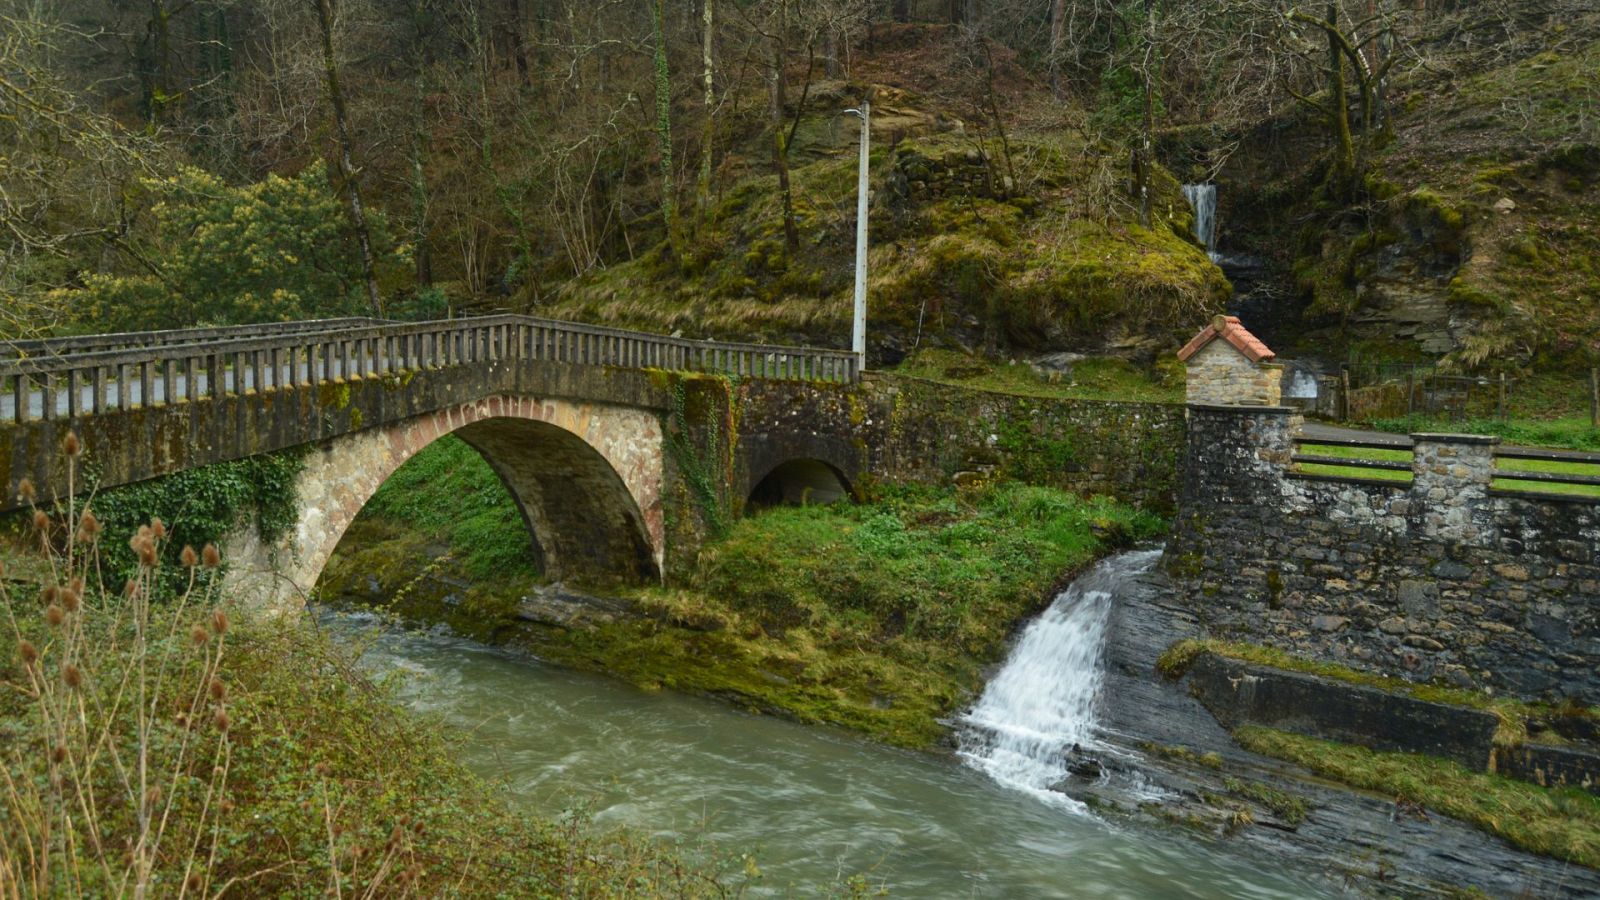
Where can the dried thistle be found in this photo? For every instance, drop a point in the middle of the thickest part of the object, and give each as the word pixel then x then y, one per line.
pixel 219 622
pixel 41 520
pixel 70 445
pixel 130 588
pixel 28 652
pixel 58 754
pixel 189 558
pixel 219 690
pixel 71 600
pixel 221 720
pixel 26 492
pixel 210 556
pixel 72 675
pixel 199 636
pixel 90 523
pixel 54 615
pixel 158 528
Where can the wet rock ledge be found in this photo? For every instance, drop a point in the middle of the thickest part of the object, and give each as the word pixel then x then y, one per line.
pixel 1169 761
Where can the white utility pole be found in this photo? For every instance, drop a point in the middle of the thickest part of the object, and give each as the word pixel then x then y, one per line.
pixel 858 334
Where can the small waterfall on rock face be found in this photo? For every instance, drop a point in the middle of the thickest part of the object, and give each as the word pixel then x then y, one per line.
pixel 1043 700
pixel 1302 385
pixel 1203 197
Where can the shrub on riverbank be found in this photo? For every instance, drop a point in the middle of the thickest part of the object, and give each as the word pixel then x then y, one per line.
pixel 173 745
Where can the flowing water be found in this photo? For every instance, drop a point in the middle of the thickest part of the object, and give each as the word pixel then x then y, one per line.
pixel 814 804
pixel 1043 700
pixel 1203 197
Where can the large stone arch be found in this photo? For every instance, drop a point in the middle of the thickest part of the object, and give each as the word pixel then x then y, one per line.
pixel 586 476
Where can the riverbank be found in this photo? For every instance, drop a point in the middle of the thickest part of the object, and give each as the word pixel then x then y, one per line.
pixel 176 741
pixel 1283 796
pixel 881 617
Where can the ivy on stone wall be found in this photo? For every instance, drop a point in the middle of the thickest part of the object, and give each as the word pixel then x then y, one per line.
pixel 700 471
pixel 201 506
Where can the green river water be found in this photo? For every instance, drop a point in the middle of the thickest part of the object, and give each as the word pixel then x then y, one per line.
pixel 811 804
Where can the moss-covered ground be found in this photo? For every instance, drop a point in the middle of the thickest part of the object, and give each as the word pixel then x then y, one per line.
pixel 1089 379
pixel 880 617
pixel 1563 823
pixel 956 257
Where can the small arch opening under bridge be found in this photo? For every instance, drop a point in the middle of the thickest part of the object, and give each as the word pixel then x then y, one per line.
pixel 799 482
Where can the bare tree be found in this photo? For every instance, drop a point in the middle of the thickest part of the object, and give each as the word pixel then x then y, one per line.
pixel 347 165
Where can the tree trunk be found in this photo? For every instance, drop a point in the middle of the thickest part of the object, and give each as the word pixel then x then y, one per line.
pixel 664 120
pixel 1151 67
pixel 708 139
pixel 1058 31
pixel 780 142
pixel 901 10
pixel 519 43
pixel 1344 159
pixel 420 147
pixel 158 66
pixel 347 166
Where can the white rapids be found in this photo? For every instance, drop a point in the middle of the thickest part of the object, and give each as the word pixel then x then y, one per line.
pixel 1043 700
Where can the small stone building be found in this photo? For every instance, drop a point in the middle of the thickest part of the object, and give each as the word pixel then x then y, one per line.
pixel 1229 366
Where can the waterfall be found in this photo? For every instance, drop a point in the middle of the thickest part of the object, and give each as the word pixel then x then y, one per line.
pixel 1203 197
pixel 1043 700
pixel 1302 385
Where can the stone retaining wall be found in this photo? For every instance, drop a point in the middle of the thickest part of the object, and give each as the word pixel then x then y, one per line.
pixel 1443 578
pixel 893 428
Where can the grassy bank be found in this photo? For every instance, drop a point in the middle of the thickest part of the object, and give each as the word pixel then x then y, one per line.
pixel 1564 824
pixel 879 617
pixel 176 743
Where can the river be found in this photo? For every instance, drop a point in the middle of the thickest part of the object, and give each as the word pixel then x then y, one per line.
pixel 812 804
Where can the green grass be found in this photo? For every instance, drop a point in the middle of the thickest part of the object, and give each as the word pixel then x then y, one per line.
pixel 449 491
pixel 1564 824
pixel 1343 452
pixel 1091 379
pixel 880 617
pixel 1556 434
pixel 1562 467
pixel 1503 464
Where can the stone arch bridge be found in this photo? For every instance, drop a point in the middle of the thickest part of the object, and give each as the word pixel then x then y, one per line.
pixel 614 443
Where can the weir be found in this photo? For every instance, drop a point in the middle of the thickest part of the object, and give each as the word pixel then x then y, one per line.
pixel 1043 700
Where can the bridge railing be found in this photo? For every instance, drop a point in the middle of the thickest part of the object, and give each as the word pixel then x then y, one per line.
pixel 89 383
pixel 134 340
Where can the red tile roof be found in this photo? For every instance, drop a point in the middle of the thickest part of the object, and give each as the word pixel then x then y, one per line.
pixel 1229 329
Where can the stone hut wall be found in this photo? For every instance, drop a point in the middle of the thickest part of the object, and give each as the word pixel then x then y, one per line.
pixel 1219 374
